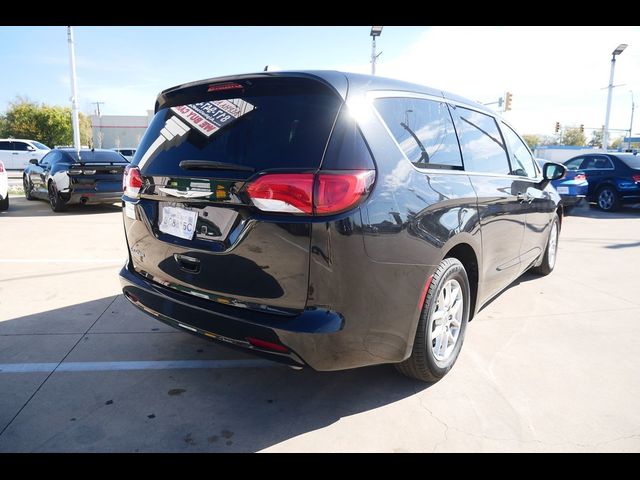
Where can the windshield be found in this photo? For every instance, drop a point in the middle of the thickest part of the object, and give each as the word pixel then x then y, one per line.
pixel 40 146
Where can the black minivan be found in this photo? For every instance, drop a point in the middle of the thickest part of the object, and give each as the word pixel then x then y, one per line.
pixel 332 220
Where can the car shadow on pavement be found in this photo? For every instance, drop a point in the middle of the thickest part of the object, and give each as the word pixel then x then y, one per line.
pixel 21 207
pixel 234 409
pixel 627 211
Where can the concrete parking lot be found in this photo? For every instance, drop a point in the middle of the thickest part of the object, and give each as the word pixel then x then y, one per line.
pixel 553 364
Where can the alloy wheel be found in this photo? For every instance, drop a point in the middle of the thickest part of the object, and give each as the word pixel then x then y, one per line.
pixel 446 320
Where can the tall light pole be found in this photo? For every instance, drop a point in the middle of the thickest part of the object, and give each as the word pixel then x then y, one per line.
pixel 605 136
pixel 74 96
pixel 633 107
pixel 375 32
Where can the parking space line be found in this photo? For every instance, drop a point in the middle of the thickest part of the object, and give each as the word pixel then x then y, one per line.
pixel 133 365
pixel 62 260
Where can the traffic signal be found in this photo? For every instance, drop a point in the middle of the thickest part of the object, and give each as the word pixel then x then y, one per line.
pixel 581 128
pixel 557 127
pixel 507 101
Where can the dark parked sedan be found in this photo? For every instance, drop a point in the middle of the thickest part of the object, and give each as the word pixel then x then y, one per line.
pixel 63 178
pixel 332 220
pixel 614 178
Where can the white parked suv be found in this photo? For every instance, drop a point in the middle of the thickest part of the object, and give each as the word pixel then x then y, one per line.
pixel 16 152
pixel 4 188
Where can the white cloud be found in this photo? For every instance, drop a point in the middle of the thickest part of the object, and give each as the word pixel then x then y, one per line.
pixel 554 73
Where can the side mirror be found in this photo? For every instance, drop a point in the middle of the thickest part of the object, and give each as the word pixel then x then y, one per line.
pixel 34 161
pixel 553 171
pixel 30 148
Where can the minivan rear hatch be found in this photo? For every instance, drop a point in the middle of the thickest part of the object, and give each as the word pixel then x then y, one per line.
pixel 189 224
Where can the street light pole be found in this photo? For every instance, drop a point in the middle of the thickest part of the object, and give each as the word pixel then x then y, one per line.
pixel 375 32
pixel 633 107
pixel 74 96
pixel 605 135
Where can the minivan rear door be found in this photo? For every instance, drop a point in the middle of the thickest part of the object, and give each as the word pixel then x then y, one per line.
pixel 193 228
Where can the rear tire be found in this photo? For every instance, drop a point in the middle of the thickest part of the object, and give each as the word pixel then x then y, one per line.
pixel 608 199
pixel 551 252
pixel 4 203
pixel 56 202
pixel 442 324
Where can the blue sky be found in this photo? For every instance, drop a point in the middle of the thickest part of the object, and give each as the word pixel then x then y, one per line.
pixel 554 73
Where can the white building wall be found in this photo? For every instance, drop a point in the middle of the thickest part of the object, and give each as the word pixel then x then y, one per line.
pixel 119 131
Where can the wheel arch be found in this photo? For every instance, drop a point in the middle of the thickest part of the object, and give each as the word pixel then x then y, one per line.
pixel 467 255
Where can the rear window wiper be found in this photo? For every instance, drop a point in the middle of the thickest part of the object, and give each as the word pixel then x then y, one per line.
pixel 213 165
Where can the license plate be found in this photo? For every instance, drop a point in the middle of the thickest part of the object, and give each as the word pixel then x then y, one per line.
pixel 563 190
pixel 178 222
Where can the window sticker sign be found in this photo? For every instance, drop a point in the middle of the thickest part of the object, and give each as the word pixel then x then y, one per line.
pixel 209 117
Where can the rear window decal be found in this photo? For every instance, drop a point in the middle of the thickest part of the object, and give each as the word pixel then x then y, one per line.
pixel 208 117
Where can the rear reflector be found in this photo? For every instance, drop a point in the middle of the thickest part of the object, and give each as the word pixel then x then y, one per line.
pixel 581 177
pixel 1 167
pixel 256 342
pixel 131 182
pixel 323 193
pixel 636 178
pixel 425 289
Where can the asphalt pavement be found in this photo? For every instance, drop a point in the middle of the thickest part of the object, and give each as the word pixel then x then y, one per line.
pixel 553 364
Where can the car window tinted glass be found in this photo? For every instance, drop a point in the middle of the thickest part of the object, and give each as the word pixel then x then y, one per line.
pixel 21 146
pixel 49 158
pixel 574 163
pixel 522 162
pixel 423 129
pixel 274 123
pixel 597 163
pixel 482 147
pixel 5 146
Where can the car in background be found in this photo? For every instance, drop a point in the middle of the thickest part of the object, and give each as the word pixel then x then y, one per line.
pixel 613 178
pixel 308 218
pixel 63 178
pixel 127 153
pixel 572 187
pixel 4 188
pixel 15 153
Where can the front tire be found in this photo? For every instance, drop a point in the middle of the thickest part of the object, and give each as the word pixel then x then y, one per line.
pixel 26 185
pixel 56 202
pixel 442 324
pixel 4 203
pixel 608 199
pixel 551 252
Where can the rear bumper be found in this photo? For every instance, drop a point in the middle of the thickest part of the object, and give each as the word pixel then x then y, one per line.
pixel 301 334
pixel 572 200
pixel 95 197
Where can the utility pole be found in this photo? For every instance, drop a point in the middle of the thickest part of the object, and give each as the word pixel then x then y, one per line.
pixel 74 95
pixel 633 107
pixel 97 104
pixel 605 136
pixel 375 32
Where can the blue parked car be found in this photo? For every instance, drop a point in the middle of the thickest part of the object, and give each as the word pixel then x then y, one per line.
pixel 614 178
pixel 573 187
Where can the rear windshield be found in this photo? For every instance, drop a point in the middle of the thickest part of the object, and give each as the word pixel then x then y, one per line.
pixel 259 128
pixel 632 161
pixel 97 157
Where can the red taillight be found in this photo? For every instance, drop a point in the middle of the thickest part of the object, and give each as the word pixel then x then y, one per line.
pixel 306 193
pixel 337 192
pixel 636 178
pixel 581 177
pixel 263 344
pixel 223 86
pixel 131 182
pixel 283 192
pixel 1 167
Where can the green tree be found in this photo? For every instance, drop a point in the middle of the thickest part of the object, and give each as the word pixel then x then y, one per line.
pixel 616 143
pixel 573 136
pixel 532 140
pixel 48 124
pixel 596 139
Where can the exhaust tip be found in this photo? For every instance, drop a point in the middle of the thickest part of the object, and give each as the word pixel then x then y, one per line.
pixel 84 200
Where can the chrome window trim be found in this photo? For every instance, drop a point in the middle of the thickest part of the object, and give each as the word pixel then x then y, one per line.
pixel 372 95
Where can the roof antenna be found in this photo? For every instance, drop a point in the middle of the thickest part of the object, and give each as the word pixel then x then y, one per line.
pixel 266 67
